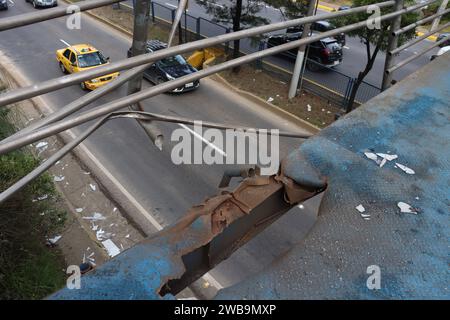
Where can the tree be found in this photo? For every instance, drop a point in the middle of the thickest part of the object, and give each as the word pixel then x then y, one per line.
pixel 375 39
pixel 237 13
pixel 290 9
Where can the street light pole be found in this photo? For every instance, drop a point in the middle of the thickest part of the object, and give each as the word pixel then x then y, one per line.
pixel 301 52
pixel 392 45
pixel 138 47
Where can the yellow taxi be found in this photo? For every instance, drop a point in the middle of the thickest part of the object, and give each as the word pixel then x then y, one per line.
pixel 82 57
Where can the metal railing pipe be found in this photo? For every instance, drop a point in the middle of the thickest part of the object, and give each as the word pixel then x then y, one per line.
pixel 76 78
pixel 419 22
pixel 167 86
pixel 415 56
pixel 418 39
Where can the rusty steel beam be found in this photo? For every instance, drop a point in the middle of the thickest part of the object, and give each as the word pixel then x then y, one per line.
pixel 169 261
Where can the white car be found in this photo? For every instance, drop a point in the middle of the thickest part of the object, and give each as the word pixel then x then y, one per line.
pixel 440 52
pixel 43 3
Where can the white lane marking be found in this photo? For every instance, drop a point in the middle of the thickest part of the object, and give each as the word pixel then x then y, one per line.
pixel 345 47
pixel 67 44
pixel 195 134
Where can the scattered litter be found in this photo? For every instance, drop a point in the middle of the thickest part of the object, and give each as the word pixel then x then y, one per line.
pixel 111 248
pixel 360 208
pixel 83 195
pixel 406 208
pixel 58 162
pixel 96 216
pixel 388 157
pixel 79 210
pixel 111 224
pixel 323 110
pixel 270 99
pixel 364 215
pixel 54 239
pixel 301 206
pixel 42 145
pixel 42 213
pixel 127 236
pixel 45 196
pixel 86 172
pixel 206 284
pixel 92 253
pixel 93 187
pixel 100 234
pixel 122 247
pixel 58 178
pixel 405 168
pixel 115 209
pixel 371 156
pixel 309 107
pixel 94 227
pixel 88 248
pixel 417 198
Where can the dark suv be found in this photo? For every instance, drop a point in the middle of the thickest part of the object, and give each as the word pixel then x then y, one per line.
pixel 441 37
pixel 168 68
pixel 326 52
pixel 320 26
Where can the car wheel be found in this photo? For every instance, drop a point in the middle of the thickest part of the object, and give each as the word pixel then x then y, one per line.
pixel 83 86
pixel 63 69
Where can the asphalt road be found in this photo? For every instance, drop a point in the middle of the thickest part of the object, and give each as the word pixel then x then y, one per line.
pixel 355 56
pixel 121 147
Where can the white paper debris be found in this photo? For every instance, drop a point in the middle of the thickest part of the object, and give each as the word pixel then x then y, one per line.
pixel 93 187
pixel 364 215
pixel 43 197
pixel 100 234
pixel 127 236
pixel 42 145
pixel 94 227
pixel 371 156
pixel 309 107
pixel 79 210
pixel 115 209
pixel 405 168
pixel 360 208
pixel 96 216
pixel 58 178
pixel 54 239
pixel 406 208
pixel 270 99
pixel 111 248
pixel 388 157
pixel 86 172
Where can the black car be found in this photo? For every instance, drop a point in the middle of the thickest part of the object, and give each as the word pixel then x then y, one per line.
pixel 320 26
pixel 342 8
pixel 326 52
pixel 441 37
pixel 3 4
pixel 168 68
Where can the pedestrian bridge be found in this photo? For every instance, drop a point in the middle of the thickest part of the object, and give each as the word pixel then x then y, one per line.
pixel 383 222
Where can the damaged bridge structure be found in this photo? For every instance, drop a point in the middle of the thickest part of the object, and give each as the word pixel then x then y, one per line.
pixel 383 171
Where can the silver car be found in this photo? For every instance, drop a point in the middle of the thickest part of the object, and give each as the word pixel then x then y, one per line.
pixel 43 3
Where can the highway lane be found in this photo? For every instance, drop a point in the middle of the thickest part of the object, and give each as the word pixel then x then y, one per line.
pixel 354 52
pixel 164 189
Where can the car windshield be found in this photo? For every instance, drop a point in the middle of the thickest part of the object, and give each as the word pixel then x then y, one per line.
pixel 90 59
pixel 172 61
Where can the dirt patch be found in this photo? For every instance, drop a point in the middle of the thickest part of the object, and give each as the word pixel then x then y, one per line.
pixel 308 107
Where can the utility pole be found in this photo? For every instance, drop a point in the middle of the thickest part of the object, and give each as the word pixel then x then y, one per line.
pixel 301 52
pixel 438 19
pixel 392 45
pixel 140 30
